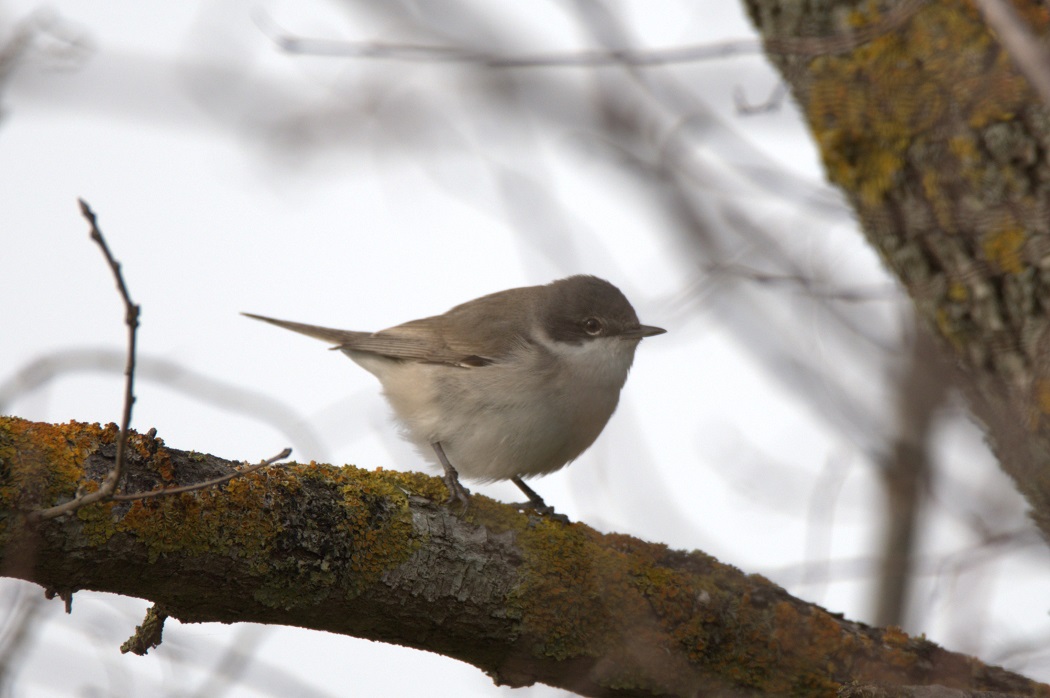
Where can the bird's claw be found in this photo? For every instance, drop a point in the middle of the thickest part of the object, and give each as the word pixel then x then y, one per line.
pixel 543 509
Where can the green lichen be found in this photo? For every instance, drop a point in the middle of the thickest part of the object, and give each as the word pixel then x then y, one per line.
pixel 306 531
pixel 580 592
pixel 563 571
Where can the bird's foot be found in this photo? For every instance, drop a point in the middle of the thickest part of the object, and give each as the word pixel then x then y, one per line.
pixel 536 503
pixel 456 491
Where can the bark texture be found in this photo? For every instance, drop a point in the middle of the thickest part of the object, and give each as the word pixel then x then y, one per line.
pixel 374 554
pixel 941 146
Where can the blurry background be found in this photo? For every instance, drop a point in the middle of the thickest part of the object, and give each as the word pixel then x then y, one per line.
pixel 360 164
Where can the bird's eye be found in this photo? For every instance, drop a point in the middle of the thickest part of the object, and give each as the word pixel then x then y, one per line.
pixel 592 326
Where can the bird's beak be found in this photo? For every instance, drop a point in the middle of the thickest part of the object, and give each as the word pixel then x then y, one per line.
pixel 641 332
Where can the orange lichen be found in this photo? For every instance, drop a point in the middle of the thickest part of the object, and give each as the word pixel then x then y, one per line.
pixel 43 463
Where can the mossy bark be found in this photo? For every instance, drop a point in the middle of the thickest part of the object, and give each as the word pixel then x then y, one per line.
pixel 941 145
pixel 377 555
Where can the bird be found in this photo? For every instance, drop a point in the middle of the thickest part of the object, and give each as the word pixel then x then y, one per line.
pixel 508 386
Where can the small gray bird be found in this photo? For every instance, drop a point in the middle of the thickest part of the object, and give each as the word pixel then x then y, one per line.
pixel 507 386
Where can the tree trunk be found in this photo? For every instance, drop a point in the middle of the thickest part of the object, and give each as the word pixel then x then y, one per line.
pixel 924 121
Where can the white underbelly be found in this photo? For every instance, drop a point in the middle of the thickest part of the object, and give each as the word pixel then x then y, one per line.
pixel 503 420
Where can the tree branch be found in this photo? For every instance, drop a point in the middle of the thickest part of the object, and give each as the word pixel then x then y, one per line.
pixel 375 555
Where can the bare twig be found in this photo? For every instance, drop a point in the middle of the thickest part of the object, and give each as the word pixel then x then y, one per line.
pixel 148 635
pixel 165 491
pixel 131 319
pixel 230 668
pixel 107 490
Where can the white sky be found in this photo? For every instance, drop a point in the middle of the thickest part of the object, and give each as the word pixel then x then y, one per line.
pixel 151 127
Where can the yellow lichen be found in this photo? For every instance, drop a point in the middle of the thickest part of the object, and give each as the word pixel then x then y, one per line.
pixel 356 527
pixel 957 292
pixel 868 107
pixel 1003 249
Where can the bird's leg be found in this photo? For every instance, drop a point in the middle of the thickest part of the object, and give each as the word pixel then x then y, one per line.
pixel 456 491
pixel 536 502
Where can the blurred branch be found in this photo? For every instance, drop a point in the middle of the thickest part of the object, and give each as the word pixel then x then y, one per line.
pixel 438 53
pixel 14 48
pixel 806 284
pixel 906 471
pixel 1026 48
pixel 28 32
pixel 18 626
pixel 771 103
pixel 229 670
pixel 940 567
pixel 48 367
pixel 432 53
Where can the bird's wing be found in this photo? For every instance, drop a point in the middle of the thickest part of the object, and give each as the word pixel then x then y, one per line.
pixel 419 340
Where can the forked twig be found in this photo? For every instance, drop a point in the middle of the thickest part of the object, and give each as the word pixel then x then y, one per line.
pixel 107 490
pixel 131 319
pixel 165 491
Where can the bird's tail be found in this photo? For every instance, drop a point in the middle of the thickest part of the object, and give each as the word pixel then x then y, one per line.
pixel 327 334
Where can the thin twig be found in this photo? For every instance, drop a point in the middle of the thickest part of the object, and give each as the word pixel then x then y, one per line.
pixel 107 490
pixel 165 491
pixel 131 319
